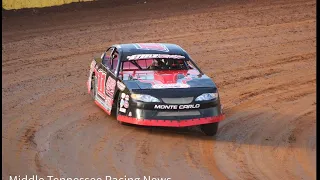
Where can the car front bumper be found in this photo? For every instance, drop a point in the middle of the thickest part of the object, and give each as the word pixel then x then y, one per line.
pixel 145 114
pixel 171 123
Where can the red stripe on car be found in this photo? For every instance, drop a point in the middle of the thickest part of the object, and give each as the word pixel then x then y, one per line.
pixel 171 123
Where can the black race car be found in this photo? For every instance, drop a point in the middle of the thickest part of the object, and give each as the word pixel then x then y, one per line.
pixel 154 84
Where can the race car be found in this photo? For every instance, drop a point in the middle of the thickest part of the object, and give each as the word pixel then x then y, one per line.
pixel 154 84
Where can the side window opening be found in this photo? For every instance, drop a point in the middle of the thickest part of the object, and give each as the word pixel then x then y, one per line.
pixel 106 61
pixel 190 66
pixel 115 59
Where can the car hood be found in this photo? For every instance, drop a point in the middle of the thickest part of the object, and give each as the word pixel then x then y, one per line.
pixel 167 80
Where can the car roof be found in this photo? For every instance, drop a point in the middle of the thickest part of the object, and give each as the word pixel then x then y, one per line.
pixel 149 48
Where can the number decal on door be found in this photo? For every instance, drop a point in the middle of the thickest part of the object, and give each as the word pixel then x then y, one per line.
pixel 102 84
pixel 111 84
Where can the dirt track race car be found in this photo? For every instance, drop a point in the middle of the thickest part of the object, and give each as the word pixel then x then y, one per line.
pixel 154 84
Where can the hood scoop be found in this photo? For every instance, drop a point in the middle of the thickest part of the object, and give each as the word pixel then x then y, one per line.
pixel 168 78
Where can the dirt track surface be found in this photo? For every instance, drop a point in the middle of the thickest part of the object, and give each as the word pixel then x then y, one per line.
pixel 261 54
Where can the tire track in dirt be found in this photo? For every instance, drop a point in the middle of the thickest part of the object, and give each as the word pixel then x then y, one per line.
pixel 207 148
pixel 275 63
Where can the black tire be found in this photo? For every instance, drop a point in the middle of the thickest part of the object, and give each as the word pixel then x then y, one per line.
pixel 210 129
pixel 93 87
pixel 117 112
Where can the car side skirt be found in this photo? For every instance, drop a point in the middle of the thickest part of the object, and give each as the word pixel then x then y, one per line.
pixel 104 109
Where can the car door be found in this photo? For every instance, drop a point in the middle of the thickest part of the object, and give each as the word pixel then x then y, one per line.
pixel 107 79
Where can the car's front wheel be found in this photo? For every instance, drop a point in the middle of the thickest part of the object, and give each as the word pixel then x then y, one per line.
pixel 210 129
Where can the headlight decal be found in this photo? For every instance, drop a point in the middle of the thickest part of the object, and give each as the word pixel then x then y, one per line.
pixel 207 96
pixel 144 98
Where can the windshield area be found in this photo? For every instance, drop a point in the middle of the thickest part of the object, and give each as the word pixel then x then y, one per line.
pixel 156 64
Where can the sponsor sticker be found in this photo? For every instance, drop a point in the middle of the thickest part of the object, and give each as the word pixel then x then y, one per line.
pixel 126 104
pixel 121 86
pixel 177 85
pixel 149 56
pixel 121 103
pixel 111 83
pixel 101 75
pixel 180 107
pixel 123 110
pixel 127 97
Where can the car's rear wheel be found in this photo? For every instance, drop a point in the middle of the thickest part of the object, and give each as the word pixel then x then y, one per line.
pixel 209 129
pixel 93 87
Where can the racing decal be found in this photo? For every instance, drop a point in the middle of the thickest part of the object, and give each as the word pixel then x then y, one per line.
pixel 89 82
pixel 105 91
pixel 150 56
pixel 120 85
pixel 101 83
pixel 111 83
pixel 92 66
pixel 109 101
pixel 121 103
pixel 106 102
pixel 124 102
pixel 122 110
pixel 176 85
pixel 152 46
pixel 180 107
